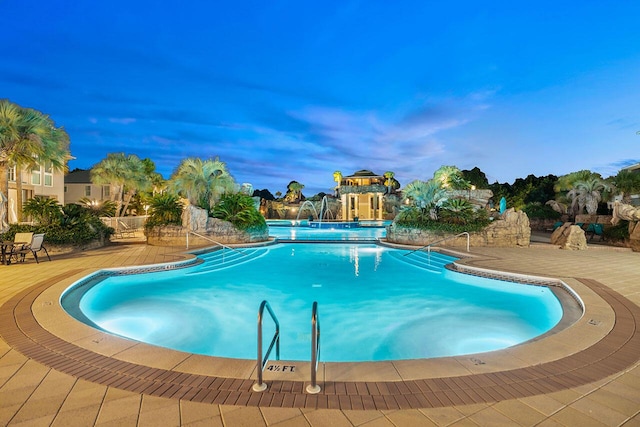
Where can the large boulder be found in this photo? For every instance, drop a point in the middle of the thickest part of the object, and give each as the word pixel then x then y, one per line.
pixel 570 237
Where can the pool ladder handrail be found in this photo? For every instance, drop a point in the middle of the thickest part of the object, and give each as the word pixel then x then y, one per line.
pixel 212 241
pixel 428 247
pixel 314 388
pixel 262 362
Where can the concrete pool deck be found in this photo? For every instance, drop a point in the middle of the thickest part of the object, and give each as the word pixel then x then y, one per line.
pixel 55 371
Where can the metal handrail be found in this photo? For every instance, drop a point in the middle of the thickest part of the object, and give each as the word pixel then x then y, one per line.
pixel 209 239
pixel 261 386
pixel 314 388
pixel 428 247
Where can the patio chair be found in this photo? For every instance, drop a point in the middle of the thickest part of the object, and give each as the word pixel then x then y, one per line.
pixel 124 230
pixel 595 230
pixel 20 241
pixel 35 247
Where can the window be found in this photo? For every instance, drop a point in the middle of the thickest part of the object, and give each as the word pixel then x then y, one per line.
pixel 48 174
pixel 35 176
pixel 106 192
pixel 87 191
pixel 65 189
pixel 12 174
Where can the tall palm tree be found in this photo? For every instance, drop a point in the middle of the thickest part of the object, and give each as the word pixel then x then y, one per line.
pixel 337 177
pixel 389 180
pixel 125 175
pixel 202 182
pixel 28 137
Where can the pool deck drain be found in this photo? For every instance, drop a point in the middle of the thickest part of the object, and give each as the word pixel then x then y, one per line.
pixel 614 354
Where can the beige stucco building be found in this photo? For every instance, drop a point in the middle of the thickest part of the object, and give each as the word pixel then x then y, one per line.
pixel 78 185
pixel 42 181
pixel 361 196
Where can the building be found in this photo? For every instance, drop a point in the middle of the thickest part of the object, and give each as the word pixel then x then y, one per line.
pixel 78 185
pixel 361 196
pixel 42 181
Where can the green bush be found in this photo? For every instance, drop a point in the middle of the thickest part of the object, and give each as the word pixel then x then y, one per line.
pixel 57 234
pixel 165 209
pixel 540 211
pixel 239 210
pixel 619 231
pixel 414 217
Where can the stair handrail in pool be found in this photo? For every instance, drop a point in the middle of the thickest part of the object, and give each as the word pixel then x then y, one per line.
pixel 211 240
pixel 428 247
pixel 262 362
pixel 314 388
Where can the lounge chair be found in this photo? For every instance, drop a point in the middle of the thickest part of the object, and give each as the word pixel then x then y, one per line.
pixel 35 247
pixel 595 230
pixel 557 225
pixel 124 230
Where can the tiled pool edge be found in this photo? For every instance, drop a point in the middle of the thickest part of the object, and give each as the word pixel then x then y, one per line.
pixel 616 351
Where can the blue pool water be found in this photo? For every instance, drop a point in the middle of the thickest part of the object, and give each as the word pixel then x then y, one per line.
pixel 374 304
pixel 327 231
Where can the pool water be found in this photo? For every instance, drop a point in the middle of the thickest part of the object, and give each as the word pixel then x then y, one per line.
pixel 374 304
pixel 302 230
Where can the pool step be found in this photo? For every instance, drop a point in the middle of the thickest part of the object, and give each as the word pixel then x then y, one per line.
pixel 433 261
pixel 224 258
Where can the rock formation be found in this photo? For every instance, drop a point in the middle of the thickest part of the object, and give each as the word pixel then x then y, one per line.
pixel 622 211
pixel 570 237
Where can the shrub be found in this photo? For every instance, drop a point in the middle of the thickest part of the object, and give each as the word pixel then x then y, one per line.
pixel 540 211
pixel 619 231
pixel 239 210
pixel 413 217
pixel 165 209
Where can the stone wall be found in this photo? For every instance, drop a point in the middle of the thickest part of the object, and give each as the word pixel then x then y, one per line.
pixel 215 229
pixel 511 230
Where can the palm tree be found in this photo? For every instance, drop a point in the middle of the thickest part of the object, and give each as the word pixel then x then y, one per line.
pixel 389 181
pixel 28 138
pixel 587 194
pixel 295 191
pixel 337 177
pixel 125 175
pixel 426 195
pixel 627 183
pixel 202 182
pixel 450 177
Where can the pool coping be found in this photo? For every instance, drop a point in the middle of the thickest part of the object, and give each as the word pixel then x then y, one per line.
pixel 34 324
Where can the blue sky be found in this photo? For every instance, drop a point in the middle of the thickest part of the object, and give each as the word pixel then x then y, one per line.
pixel 294 90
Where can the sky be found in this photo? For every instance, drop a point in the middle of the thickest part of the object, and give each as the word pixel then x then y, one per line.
pixel 287 90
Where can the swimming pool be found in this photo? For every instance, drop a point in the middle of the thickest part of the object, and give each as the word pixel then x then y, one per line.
pixel 374 304
pixel 301 230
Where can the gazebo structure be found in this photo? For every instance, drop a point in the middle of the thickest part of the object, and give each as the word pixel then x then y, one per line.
pixel 361 196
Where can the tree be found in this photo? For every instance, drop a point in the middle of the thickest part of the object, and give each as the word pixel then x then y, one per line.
pixel 426 196
pixel 337 177
pixel 587 194
pixel 389 181
pixel 294 192
pixel 28 137
pixel 627 183
pixel 451 177
pixel 125 175
pixel 475 177
pixel 202 182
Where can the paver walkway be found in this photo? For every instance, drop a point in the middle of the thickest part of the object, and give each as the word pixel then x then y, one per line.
pixel 596 383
